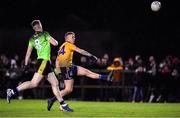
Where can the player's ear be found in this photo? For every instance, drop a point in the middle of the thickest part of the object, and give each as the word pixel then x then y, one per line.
pixel 66 39
pixel 33 28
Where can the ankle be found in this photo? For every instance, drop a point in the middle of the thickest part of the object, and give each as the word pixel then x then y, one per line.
pixel 62 102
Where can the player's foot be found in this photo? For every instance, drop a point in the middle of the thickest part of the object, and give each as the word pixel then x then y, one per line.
pixel 110 76
pixel 66 108
pixel 10 93
pixel 50 103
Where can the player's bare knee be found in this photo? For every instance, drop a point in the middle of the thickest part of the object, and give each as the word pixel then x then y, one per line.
pixel 34 84
pixel 69 90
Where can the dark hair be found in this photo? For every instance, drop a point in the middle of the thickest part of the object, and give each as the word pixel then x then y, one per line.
pixel 69 33
pixel 34 22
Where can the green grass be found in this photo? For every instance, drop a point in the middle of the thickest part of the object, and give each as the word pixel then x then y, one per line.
pixel 37 108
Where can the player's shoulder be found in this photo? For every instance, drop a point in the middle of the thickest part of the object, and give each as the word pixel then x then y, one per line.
pixel 68 43
pixel 31 38
pixel 45 33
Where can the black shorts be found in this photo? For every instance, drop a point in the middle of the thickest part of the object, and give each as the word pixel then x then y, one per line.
pixel 43 67
pixel 68 72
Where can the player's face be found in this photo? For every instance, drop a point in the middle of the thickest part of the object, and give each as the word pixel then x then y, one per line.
pixel 38 28
pixel 71 38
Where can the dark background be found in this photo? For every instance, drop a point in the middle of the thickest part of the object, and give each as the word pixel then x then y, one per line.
pixel 120 28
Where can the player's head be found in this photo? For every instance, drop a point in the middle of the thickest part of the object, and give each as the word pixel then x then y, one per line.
pixel 37 26
pixel 70 37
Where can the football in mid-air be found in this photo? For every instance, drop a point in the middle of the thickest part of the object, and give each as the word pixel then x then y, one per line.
pixel 155 6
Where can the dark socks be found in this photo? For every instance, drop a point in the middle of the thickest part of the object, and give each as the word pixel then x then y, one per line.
pixel 104 77
pixel 62 102
pixel 53 99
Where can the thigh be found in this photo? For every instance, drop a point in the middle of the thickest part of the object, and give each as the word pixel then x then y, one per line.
pixel 85 72
pixel 69 84
pixel 43 67
pixel 52 78
pixel 37 78
pixel 82 71
pixel 68 72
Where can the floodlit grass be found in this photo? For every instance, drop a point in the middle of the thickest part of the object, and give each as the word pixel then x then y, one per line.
pixel 37 108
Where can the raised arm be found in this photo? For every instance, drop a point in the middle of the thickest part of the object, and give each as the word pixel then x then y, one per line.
pixel 28 54
pixel 53 41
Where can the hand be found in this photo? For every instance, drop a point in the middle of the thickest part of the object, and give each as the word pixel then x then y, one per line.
pixel 94 58
pixel 24 68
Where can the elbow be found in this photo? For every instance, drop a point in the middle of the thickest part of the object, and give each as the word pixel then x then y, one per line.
pixel 55 43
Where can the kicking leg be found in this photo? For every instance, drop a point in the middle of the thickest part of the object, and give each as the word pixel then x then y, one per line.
pixel 85 72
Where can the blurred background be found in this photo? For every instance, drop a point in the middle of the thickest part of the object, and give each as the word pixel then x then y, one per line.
pixel 128 30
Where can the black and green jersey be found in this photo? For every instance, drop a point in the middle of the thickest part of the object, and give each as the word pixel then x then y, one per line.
pixel 41 43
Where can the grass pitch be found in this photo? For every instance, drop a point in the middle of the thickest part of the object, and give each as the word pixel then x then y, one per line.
pixel 37 108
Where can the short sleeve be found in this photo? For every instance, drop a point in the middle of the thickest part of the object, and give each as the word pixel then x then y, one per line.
pixel 47 35
pixel 31 43
pixel 72 46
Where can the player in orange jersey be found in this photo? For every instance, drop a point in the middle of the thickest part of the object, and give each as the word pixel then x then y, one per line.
pixel 68 70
